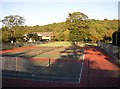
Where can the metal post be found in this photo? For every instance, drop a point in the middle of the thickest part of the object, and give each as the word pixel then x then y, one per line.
pixel 88 73
pixel 16 71
pixel 118 56
pixel 16 63
pixel 49 73
pixel 117 47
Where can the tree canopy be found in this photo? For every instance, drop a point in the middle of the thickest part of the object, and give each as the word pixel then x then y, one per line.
pixel 10 24
pixel 13 20
pixel 79 29
pixel 77 22
pixel 76 16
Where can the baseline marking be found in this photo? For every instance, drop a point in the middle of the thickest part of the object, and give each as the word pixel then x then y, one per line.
pixel 42 80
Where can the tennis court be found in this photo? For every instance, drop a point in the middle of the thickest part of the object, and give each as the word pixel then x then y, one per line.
pixel 50 64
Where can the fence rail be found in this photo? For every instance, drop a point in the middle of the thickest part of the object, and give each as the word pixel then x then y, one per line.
pixel 16 45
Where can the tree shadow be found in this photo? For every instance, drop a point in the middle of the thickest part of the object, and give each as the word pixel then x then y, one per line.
pixel 65 68
pixel 101 77
pixel 110 58
pixel 68 65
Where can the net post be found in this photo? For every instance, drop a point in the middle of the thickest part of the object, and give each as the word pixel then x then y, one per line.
pixel 16 64
pixel 49 73
pixel 49 62
pixel 16 59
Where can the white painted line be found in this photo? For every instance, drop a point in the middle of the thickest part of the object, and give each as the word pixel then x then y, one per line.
pixel 40 69
pixel 52 77
pixel 82 67
pixel 41 76
pixel 42 80
pixel 81 72
pixel 57 77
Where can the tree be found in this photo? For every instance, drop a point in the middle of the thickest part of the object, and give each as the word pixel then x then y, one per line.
pixel 12 21
pixel 33 37
pixel 76 16
pixel 75 35
pixel 77 22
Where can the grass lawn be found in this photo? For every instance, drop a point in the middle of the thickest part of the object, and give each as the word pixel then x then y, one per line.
pixel 64 44
pixel 47 56
pixel 56 44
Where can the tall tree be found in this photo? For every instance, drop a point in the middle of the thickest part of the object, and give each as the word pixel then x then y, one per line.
pixel 12 21
pixel 76 16
pixel 76 21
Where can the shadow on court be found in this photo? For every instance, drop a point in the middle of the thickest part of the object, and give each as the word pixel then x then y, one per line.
pixel 62 71
pixel 99 72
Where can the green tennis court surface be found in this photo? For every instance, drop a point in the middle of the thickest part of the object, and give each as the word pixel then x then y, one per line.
pixel 59 72
pixel 55 64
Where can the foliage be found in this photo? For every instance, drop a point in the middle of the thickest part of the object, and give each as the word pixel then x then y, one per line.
pixel 76 16
pixel 33 37
pixel 78 22
pixel 57 44
pixel 76 27
pixel 75 35
pixel 12 22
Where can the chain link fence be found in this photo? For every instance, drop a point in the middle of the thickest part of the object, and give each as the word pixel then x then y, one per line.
pixel 112 50
pixel 4 46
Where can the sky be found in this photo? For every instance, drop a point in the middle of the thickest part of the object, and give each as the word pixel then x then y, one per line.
pixel 45 12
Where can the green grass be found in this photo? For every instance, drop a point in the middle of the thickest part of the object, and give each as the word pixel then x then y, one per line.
pixel 64 44
pixel 56 44
pixel 40 63
pixel 47 56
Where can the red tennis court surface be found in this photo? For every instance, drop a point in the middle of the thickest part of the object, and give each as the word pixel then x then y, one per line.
pixel 18 49
pixel 98 71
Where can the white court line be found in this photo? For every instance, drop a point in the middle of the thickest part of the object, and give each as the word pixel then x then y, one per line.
pixel 82 67
pixel 81 72
pixel 45 66
pixel 41 69
pixel 57 77
pixel 42 80
pixel 52 77
pixel 41 76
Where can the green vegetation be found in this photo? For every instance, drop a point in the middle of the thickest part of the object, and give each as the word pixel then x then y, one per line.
pixel 56 44
pixel 77 27
pixel 11 30
pixel 47 56
pixel 64 44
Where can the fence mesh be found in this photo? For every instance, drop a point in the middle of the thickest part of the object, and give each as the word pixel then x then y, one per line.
pixel 26 69
pixel 21 44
